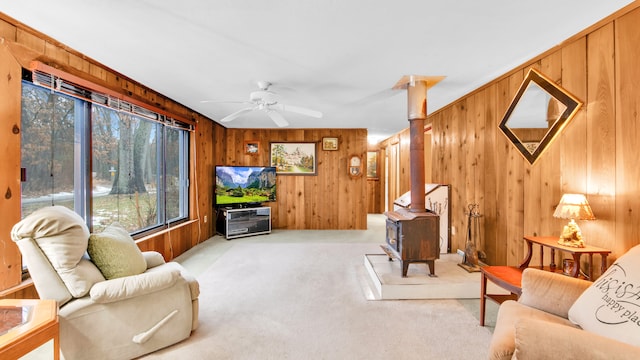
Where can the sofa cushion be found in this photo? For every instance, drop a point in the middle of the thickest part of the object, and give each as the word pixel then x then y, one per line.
pixel 62 236
pixel 115 253
pixel 503 341
pixel 611 305
pixel 564 342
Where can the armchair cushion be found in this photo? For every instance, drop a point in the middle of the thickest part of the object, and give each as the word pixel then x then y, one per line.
pixel 611 305
pixel 153 258
pixel 115 253
pixel 62 236
pixel 133 286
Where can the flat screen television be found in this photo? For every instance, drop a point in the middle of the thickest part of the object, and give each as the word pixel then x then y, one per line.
pixel 245 185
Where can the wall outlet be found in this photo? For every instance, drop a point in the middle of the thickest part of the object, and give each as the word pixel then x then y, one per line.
pixel 205 219
pixel 453 230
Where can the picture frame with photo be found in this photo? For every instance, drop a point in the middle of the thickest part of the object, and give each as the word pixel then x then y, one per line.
pixel 251 147
pixel 293 158
pixel 372 165
pixel 330 143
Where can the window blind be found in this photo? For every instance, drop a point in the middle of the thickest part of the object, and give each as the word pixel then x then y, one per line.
pixel 56 80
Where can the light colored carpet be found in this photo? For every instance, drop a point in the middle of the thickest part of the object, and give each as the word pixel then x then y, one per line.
pixel 304 301
pixel 299 294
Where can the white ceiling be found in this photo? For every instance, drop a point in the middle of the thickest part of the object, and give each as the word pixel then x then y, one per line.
pixel 340 57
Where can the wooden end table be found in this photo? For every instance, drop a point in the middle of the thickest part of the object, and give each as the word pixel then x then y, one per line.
pixel 510 277
pixel 551 242
pixel 507 277
pixel 41 325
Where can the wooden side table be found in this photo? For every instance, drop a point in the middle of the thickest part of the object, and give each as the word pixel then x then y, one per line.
pixel 510 277
pixel 507 277
pixel 551 242
pixel 41 326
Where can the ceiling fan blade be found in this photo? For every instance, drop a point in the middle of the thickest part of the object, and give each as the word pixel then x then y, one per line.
pixel 277 118
pixel 299 110
pixel 236 114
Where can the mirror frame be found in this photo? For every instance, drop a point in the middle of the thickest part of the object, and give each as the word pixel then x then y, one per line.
pixel 572 106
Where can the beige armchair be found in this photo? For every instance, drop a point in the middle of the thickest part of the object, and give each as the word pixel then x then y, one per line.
pixel 537 326
pixel 120 318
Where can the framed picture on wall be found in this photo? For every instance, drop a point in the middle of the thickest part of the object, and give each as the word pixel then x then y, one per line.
pixel 251 147
pixel 293 158
pixel 372 165
pixel 330 143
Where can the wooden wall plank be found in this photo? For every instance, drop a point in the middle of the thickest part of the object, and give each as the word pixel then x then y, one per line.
pixel 405 163
pixel 478 163
pixel 490 210
pixel 601 137
pixel 394 172
pixel 514 189
pixel 503 148
pixel 10 203
pixel 456 174
pixel 627 53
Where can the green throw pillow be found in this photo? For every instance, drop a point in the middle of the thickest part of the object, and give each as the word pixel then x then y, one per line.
pixel 115 253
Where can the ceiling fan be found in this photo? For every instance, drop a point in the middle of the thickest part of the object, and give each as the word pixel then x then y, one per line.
pixel 266 100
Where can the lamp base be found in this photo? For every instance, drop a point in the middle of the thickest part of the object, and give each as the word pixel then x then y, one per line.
pixel 571 235
pixel 571 243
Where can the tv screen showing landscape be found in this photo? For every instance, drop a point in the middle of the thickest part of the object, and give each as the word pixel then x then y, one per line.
pixel 236 185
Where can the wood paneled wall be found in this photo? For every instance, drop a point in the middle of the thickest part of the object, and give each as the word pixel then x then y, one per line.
pixel 329 200
pixel 375 187
pixel 10 269
pixel 396 151
pixel 596 154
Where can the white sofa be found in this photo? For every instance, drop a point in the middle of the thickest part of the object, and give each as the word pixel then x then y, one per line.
pixel 120 318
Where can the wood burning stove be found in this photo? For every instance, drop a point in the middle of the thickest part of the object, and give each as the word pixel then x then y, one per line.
pixel 413 235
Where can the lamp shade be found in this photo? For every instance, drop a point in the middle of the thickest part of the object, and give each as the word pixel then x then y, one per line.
pixel 574 206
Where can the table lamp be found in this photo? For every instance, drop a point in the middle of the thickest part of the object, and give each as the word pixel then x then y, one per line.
pixel 573 207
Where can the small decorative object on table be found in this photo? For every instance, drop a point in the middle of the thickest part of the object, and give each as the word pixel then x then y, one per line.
pixel 573 206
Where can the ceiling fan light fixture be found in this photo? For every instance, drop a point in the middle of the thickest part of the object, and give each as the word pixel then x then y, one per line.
pixel 263 85
pixel 266 100
pixel 263 96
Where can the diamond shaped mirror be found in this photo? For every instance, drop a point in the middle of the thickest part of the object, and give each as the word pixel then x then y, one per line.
pixel 538 112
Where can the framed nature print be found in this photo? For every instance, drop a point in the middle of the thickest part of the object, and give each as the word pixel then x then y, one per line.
pixel 372 165
pixel 330 143
pixel 251 147
pixel 293 158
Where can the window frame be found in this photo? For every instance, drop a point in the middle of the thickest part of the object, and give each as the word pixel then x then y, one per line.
pixel 83 197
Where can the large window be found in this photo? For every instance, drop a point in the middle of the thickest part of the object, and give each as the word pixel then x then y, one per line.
pixel 107 164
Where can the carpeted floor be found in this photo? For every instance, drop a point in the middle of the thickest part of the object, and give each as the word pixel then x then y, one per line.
pixel 276 299
pixel 300 295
